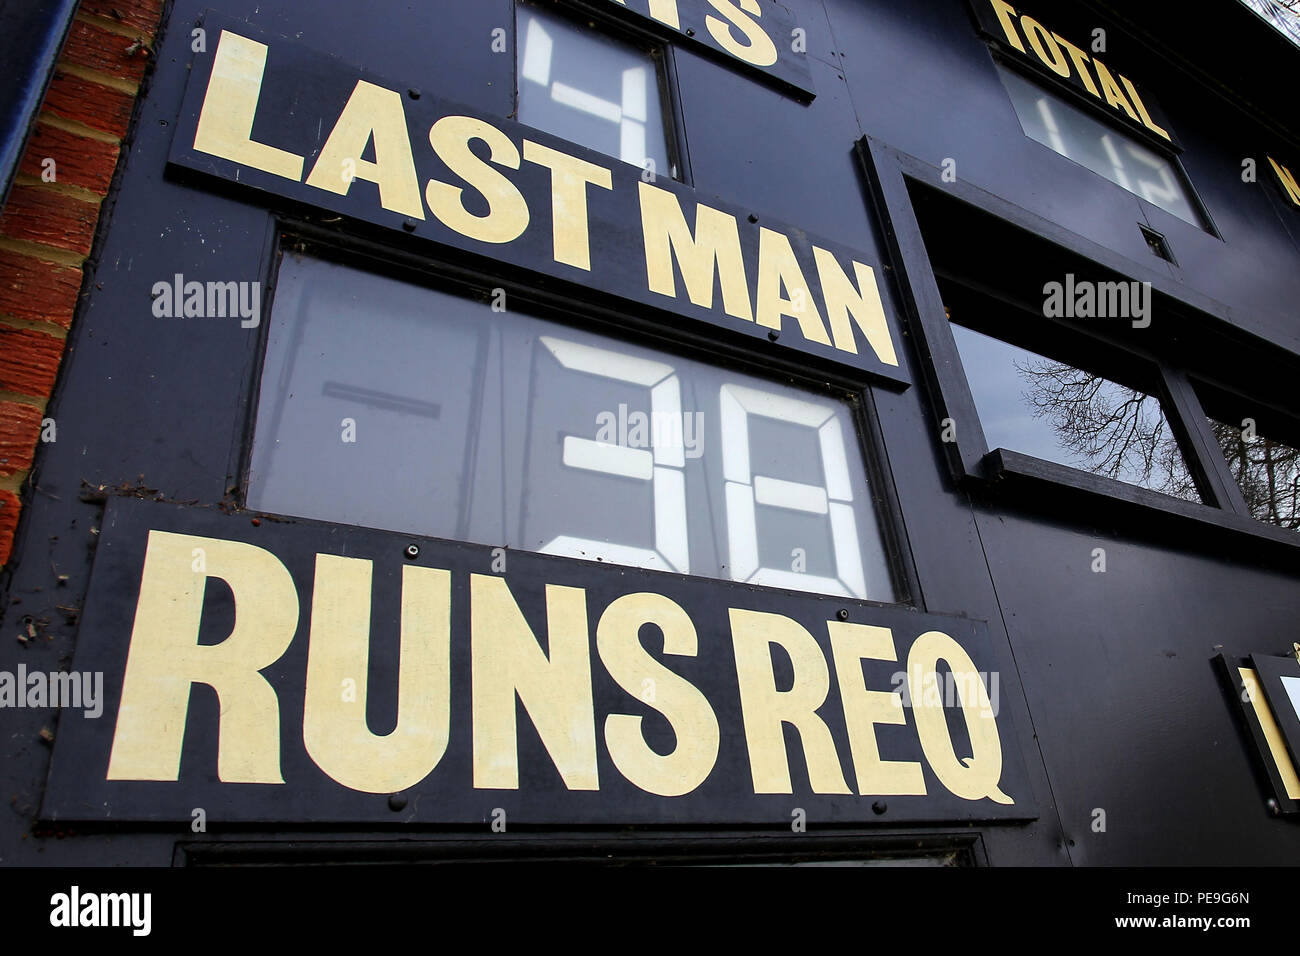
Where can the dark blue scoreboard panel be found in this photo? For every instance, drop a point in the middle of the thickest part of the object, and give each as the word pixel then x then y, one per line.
pixel 565 416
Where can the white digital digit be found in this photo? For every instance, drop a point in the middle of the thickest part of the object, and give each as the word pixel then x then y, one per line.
pixel 745 491
pixel 538 48
pixel 1166 194
pixel 1049 123
pixel 629 113
pixel 663 466
pixel 1116 163
pixel 632 121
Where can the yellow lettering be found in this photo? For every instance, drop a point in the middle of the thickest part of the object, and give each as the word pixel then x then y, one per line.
pixel 714 248
pixel 863 709
pixel 1287 179
pixel 1041 41
pixel 687 710
pixel 758 47
pixel 371 111
pixel 1005 12
pixel 974 777
pixel 862 302
pixel 334 727
pixel 777 266
pixel 665 11
pixel 230 105
pixel 555 690
pixel 1141 108
pixel 1111 91
pixel 165 659
pixel 1080 59
pixel 569 179
pixel 764 708
pixel 507 215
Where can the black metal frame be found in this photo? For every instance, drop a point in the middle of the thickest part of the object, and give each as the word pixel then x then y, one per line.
pixel 630 848
pixel 1252 733
pixel 1084 349
pixel 893 176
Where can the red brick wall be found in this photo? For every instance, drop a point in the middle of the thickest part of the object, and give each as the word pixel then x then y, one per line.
pixel 47 227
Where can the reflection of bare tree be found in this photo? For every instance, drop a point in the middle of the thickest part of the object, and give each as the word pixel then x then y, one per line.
pixel 1267 471
pixel 1113 431
pixel 1284 15
pixel 1122 433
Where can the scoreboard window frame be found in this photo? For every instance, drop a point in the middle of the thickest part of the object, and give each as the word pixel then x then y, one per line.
pixel 1190 342
pixel 590 313
pixel 1065 96
pixel 1261 420
pixel 1113 371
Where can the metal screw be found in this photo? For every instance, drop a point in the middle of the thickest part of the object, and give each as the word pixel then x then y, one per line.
pixel 412 551
pixel 1273 808
pixel 397 801
pixel 879 808
pixel 409 225
pixel 753 217
pixel 690 32
pixel 413 93
pixel 843 614
pixel 774 334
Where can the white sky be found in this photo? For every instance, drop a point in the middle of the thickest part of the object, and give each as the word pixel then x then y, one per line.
pixel 1283 19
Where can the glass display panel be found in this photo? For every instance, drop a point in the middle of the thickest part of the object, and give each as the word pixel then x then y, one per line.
pixel 1122 159
pixel 394 406
pixel 591 89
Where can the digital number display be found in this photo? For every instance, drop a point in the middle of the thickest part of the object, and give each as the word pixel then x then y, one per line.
pixel 1121 159
pixel 394 406
pixel 591 89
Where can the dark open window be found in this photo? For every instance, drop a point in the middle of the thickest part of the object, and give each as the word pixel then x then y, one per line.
pixel 1261 448
pixel 1043 393
pixel 1145 409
